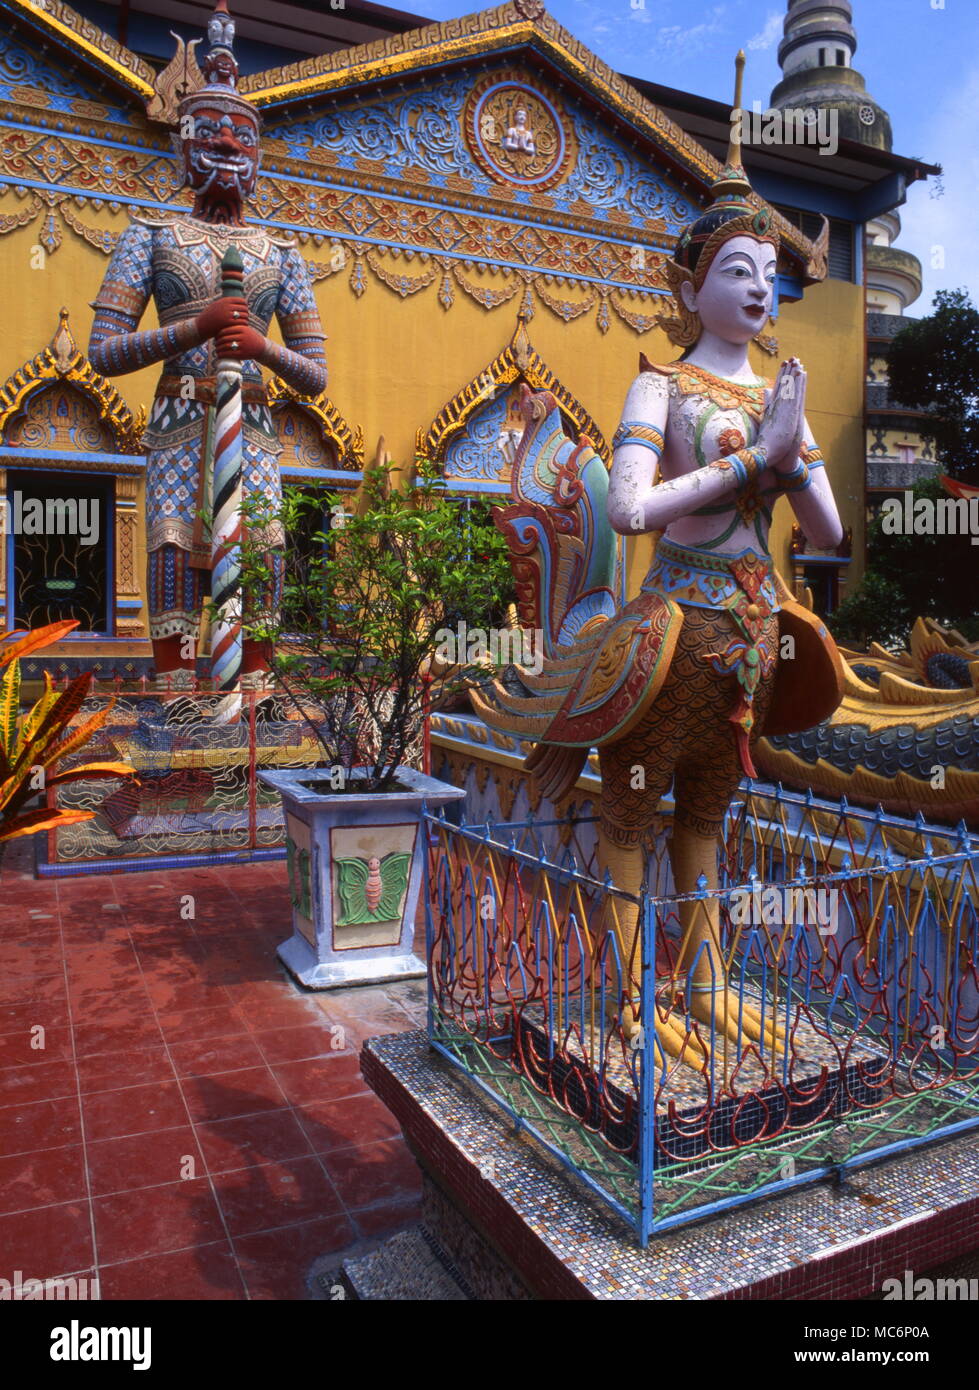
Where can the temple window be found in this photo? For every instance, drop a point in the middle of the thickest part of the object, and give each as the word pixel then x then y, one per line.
pixel 841 265
pixel 61 535
pixel 318 519
pixel 822 581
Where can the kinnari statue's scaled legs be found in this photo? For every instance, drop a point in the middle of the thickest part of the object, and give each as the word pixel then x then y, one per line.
pixel 686 738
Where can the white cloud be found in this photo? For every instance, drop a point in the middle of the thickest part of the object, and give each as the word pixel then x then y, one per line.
pixel 600 19
pixel 768 35
pixel 677 38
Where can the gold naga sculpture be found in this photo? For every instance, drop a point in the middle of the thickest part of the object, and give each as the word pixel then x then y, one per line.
pixel 676 686
pixel 905 736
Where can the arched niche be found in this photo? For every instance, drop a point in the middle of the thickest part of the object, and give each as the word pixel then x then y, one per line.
pixel 314 436
pixel 70 451
pixel 472 437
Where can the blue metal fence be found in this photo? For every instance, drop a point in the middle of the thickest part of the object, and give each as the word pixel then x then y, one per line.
pixel 854 934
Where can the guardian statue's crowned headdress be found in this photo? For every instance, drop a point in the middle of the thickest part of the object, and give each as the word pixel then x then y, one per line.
pixel 220 71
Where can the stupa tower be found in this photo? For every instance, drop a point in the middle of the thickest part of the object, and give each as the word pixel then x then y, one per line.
pixel 816 58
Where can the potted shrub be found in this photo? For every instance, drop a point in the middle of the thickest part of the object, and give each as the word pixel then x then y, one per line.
pixel 369 594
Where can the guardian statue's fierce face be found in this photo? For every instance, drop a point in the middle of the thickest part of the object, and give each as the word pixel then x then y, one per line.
pixel 221 155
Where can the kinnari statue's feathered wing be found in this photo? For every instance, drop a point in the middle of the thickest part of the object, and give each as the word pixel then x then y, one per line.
pixel 602 665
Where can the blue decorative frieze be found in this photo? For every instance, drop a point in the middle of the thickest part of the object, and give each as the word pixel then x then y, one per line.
pixel 20 68
pixel 426 129
pixel 607 176
pixel 421 128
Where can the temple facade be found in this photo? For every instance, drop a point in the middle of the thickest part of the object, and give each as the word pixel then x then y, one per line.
pixel 481 203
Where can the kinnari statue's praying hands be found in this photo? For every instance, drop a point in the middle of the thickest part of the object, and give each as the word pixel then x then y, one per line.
pixel 176 259
pixel 680 682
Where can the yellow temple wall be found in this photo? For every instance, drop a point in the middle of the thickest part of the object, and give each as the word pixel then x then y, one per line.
pixel 35 284
pixel 825 330
pixel 394 363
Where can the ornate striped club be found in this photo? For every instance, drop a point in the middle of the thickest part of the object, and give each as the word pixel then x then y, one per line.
pixel 226 641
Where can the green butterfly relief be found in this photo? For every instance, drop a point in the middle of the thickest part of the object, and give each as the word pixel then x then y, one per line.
pixel 373 889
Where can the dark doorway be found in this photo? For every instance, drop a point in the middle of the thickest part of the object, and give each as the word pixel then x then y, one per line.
pixel 60 534
pixel 823 582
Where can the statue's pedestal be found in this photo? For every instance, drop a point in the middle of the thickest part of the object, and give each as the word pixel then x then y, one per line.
pixel 493 1191
pixel 811 1082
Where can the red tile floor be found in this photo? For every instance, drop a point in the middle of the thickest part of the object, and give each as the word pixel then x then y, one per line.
pixel 175 1113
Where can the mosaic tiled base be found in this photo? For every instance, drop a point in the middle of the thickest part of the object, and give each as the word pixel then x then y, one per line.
pixel 826 1241
pixel 484 1272
pixel 405 1268
pixel 192 798
pixel 103 668
pixel 267 820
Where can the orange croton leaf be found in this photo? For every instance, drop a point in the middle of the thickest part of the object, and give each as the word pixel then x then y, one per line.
pixel 64 709
pixel 39 637
pixel 91 770
pixel 43 819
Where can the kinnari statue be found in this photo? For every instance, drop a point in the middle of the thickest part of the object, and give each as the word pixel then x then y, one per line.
pixel 176 258
pixel 676 686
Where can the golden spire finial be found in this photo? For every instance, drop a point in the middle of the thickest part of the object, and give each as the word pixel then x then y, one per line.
pixel 734 144
pixel 521 344
pixel 733 182
pixel 63 348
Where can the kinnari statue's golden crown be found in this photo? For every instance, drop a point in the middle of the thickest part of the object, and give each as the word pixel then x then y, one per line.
pixel 730 214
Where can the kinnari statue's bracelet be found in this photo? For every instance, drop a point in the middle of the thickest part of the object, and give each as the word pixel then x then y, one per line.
pixel 746 464
pixel 796 481
pixel 635 432
pixel 812 458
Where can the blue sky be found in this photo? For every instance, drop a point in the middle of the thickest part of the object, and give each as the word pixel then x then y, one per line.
pixel 920 59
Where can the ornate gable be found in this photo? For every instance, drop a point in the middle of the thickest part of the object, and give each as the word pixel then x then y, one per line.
pixel 58 401
pixel 601 159
pixel 522 28
pixel 469 436
pixel 39 80
pixel 313 433
pixel 491 155
pixel 85 45
pixel 502 135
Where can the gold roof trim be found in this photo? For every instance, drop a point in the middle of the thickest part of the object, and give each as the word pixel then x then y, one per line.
pixel 87 39
pixel 519 361
pixel 334 429
pixel 61 361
